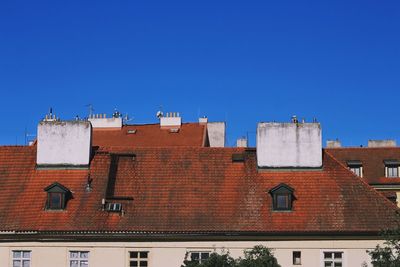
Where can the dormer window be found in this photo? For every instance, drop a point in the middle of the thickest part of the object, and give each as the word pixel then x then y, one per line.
pixel 392 168
pixel 282 197
pixel 356 167
pixel 57 196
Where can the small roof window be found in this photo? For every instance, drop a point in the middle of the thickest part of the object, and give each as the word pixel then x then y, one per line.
pixel 356 167
pixel 282 197
pixel 57 196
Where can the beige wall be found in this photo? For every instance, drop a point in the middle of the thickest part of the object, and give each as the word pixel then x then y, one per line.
pixel 171 254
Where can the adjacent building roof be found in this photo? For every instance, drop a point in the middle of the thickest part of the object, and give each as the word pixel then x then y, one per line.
pixel 372 160
pixel 151 135
pixel 187 189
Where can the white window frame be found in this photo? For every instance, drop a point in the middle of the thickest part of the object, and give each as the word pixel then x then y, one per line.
pixel 343 259
pixel 200 252
pixel 79 259
pixel 353 169
pixel 138 259
pixel 22 258
pixel 387 171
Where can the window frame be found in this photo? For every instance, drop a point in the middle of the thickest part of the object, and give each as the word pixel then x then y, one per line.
pixel 79 259
pixel 63 193
pixel 285 191
pixel 294 257
pixel 394 167
pixel 190 252
pixel 22 258
pixel 139 259
pixel 342 260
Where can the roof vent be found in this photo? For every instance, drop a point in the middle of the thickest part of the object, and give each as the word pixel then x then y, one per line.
pixel 131 131
pixel 382 143
pixel 174 130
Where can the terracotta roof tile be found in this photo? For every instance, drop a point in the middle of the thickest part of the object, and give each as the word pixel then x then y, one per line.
pixel 150 135
pixel 372 160
pixel 187 189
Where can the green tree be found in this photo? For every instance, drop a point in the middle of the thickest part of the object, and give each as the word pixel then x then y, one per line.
pixel 259 256
pixel 215 260
pixel 389 254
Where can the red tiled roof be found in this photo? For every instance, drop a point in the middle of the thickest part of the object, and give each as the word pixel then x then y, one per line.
pixel 193 189
pixel 372 160
pixel 190 134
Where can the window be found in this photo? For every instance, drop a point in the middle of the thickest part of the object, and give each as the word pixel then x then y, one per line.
pixel 21 258
pixel 114 207
pixel 282 197
pixel 78 258
pixel 356 167
pixel 138 258
pixel 296 257
pixel 199 256
pixel 57 196
pixel 55 200
pixel 392 168
pixel 333 259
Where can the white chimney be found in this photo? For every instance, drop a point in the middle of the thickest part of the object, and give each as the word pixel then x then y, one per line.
pixel 171 120
pixel 382 143
pixel 333 144
pixel 241 142
pixel 216 134
pixel 203 120
pixel 100 121
pixel 64 143
pixel 289 145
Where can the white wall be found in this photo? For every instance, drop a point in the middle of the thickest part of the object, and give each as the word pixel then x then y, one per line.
pixel 106 122
pixel 216 134
pixel 171 254
pixel 64 143
pixel 282 145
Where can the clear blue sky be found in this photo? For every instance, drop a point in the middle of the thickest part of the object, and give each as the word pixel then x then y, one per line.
pixel 239 61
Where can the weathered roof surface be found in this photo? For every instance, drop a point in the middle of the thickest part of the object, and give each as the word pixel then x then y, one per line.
pixel 146 135
pixel 372 160
pixel 187 190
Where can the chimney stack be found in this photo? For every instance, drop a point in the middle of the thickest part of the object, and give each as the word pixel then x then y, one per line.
pixel 100 121
pixel 333 143
pixel 171 120
pixel 382 143
pixel 203 120
pixel 289 145
pixel 241 142
pixel 63 143
pixel 216 134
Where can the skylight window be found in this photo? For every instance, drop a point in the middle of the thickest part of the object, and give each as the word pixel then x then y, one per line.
pixel 282 197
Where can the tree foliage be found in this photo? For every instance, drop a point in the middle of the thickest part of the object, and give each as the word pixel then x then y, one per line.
pixel 389 254
pixel 259 256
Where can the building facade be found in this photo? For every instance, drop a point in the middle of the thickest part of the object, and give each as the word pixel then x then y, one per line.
pixel 99 193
